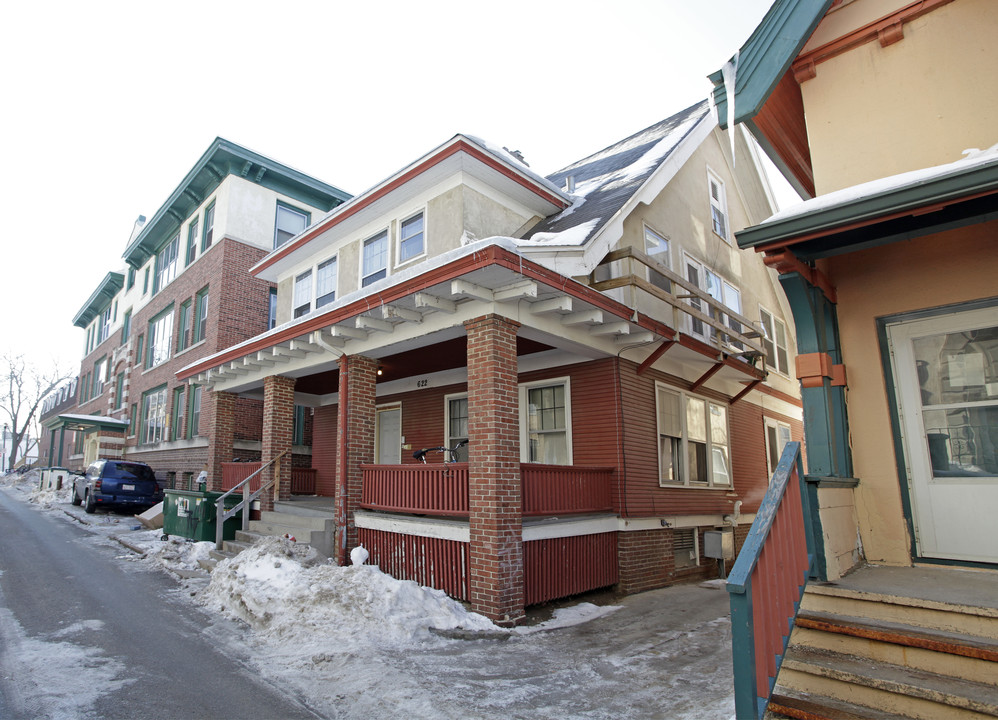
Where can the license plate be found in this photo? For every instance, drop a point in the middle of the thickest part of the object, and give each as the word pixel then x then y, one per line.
pixel 127 487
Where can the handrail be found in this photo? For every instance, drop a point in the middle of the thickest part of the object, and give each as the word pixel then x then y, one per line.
pixel 767 583
pixel 221 514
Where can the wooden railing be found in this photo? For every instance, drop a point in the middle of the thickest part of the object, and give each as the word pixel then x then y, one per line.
pixel 302 479
pixel 442 489
pixel 766 585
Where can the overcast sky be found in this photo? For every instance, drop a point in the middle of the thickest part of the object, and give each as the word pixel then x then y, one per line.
pixel 106 106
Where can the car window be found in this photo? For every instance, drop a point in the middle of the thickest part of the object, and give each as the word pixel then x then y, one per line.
pixel 128 471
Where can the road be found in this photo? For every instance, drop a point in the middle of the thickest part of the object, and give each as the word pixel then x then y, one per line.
pixel 85 635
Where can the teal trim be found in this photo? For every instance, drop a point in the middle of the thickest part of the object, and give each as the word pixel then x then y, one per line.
pixel 100 299
pixel 221 159
pixel 767 55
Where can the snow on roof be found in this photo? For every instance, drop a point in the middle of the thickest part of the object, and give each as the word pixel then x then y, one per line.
pixel 973 158
pixel 606 180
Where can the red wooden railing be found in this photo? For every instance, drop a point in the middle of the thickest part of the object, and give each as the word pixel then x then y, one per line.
pixel 442 489
pixel 302 479
pixel 766 585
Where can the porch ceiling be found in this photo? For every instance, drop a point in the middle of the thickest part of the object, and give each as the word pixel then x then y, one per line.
pixel 410 324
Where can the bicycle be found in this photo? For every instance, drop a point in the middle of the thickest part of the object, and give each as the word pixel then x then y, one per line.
pixel 450 451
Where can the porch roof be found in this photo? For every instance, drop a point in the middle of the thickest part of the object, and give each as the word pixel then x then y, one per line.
pixel 84 423
pixel 428 305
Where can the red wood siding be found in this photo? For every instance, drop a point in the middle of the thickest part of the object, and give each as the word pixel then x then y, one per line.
pixel 561 567
pixel 324 450
pixel 436 563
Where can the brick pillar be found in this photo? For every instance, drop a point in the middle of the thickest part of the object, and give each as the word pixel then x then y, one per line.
pixel 278 418
pixel 221 433
pixel 494 493
pixel 354 444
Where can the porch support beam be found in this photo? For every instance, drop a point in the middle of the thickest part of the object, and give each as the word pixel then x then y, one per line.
pixel 656 354
pixel 706 376
pixel 278 417
pixel 432 302
pixel 220 422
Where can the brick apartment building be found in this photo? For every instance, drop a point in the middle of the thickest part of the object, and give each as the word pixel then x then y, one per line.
pixel 185 293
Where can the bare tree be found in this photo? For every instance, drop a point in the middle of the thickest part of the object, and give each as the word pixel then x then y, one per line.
pixel 21 393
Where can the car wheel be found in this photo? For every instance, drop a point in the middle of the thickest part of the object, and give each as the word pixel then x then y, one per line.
pixel 76 498
pixel 90 505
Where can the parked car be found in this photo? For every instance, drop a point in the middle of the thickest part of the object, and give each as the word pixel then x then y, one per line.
pixel 117 483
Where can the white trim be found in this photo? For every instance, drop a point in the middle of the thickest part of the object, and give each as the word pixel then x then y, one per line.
pixel 456 530
pixel 769 422
pixel 684 396
pixel 405 217
pixel 448 440
pixel 551 528
pixel 362 241
pixel 378 409
pixel 722 204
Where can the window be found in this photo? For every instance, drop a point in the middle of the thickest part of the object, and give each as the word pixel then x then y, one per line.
pixel 657 247
pixel 547 423
pixel 192 242
pixel 119 391
pixel 298 426
pixel 290 222
pixel 160 336
pixel 145 282
pixel 693 445
pixel 100 373
pixel 684 548
pixel 272 310
pixel 193 410
pixel 723 293
pixel 208 231
pixel 131 278
pixel 103 326
pixel 457 424
pixel 166 264
pixel 325 283
pixel 411 243
pixel 138 349
pixel 303 294
pixel 126 325
pixel 777 436
pixel 200 316
pixel 177 418
pixel 153 415
pixel 132 418
pixel 718 207
pixel 774 341
pixel 375 259
pixel 183 332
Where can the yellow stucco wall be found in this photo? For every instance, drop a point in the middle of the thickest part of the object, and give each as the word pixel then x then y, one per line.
pixel 877 111
pixel 937 270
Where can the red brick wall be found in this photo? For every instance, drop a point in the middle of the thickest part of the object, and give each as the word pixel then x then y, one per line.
pixel 220 430
pixel 647 561
pixel 496 547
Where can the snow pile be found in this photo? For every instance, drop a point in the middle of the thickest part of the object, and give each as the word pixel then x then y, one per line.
pixel 48 498
pixel 286 594
pixel 174 553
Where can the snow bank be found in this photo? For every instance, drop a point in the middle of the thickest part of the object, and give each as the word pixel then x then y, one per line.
pixel 285 593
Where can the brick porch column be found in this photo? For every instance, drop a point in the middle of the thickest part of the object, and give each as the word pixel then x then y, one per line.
pixel 112 444
pixel 494 492
pixel 278 418
pixel 221 433
pixel 354 444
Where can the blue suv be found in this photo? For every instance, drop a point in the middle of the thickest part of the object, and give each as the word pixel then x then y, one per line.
pixel 117 483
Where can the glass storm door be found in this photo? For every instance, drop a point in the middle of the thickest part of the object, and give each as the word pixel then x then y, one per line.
pixel 946 370
pixel 388 431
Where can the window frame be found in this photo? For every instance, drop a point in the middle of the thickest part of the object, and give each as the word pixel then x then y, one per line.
pixel 402 239
pixel 194 397
pixel 655 278
pixel 776 426
pixel 272 309
pixel 681 451
pixel 155 346
pixel 192 240
pixel 525 432
pixel 287 207
pixel 720 205
pixel 450 439
pixel 167 260
pixel 208 229
pixel 199 319
pixel 301 302
pixel 184 327
pixel 177 413
pixel 157 431
pixel 369 278
pixel 773 360
pixel 328 297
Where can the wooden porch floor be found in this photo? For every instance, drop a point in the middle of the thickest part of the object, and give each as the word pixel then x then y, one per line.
pixel 934 583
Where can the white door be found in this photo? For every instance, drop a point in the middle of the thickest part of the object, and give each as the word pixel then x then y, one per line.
pixel 388 429
pixel 946 371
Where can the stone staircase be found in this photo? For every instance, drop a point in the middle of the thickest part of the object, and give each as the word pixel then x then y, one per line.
pixel 922 646
pixel 308 522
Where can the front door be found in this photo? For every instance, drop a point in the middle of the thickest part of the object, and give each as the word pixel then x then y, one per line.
pixel 388 429
pixel 946 372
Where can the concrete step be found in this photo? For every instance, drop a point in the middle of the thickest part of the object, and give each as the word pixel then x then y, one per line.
pixel 935 615
pixel 944 653
pixel 306 508
pixel 884 686
pixel 293 520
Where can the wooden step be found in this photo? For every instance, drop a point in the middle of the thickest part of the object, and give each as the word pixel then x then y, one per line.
pixel 807 706
pixel 905 691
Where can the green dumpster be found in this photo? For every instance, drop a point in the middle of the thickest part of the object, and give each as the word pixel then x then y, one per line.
pixel 191 514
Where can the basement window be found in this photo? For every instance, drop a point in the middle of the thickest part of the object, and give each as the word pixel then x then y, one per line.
pixel 684 548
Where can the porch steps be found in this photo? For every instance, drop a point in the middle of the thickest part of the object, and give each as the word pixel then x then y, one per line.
pixel 856 653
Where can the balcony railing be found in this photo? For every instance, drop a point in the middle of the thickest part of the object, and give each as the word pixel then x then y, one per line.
pixel 302 479
pixel 442 489
pixel 766 585
pixel 690 309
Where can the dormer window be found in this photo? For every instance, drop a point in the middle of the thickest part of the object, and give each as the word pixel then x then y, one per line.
pixel 375 259
pixel 411 238
pixel 290 222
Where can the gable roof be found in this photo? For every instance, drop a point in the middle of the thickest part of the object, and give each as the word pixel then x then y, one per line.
pixel 223 158
pixel 605 181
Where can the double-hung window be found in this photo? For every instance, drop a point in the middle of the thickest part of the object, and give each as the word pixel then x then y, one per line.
pixel 657 247
pixel 193 410
pixel 547 423
pixel 775 342
pixel 724 296
pixel 272 310
pixel 100 371
pixel 103 326
pixel 303 294
pixel 777 436
pixel 208 231
pixel 177 415
pixel 153 415
pixel 166 264
pixel 411 238
pixel 718 206
pixel 374 261
pixel 693 440
pixel 457 424
pixel 192 242
pixel 160 336
pixel 290 222
pixel 200 326
pixel 325 283
pixel 184 331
